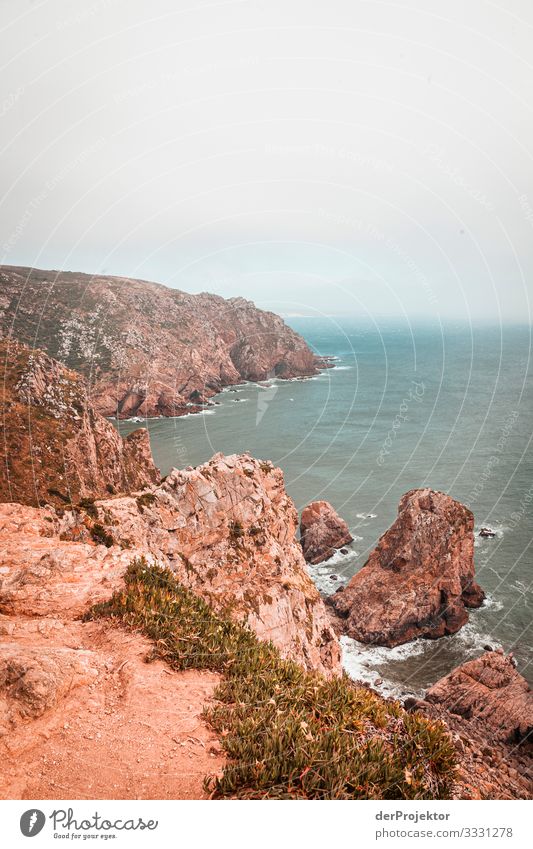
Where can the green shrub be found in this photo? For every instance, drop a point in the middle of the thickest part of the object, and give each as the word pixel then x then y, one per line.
pixel 100 535
pixel 287 733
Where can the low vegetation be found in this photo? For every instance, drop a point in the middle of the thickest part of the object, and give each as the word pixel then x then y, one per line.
pixel 287 733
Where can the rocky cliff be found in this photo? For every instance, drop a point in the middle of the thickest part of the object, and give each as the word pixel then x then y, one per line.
pixel 419 580
pixel 146 349
pixel 81 712
pixel 56 448
pixel 227 530
pixel 489 690
pixel 488 707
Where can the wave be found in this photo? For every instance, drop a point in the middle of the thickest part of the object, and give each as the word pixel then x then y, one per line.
pixel 363 662
pixel 491 602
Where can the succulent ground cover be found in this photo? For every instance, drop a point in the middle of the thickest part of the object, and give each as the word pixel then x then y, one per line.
pixel 287 733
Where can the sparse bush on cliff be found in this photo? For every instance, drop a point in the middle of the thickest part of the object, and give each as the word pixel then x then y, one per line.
pixel 147 499
pixel 287 733
pixel 100 535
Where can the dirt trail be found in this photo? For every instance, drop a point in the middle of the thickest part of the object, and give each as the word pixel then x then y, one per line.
pixel 125 730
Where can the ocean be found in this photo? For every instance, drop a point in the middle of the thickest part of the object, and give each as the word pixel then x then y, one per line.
pixel 405 407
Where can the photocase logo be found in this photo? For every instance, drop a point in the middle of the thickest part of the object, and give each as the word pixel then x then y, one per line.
pixel 32 822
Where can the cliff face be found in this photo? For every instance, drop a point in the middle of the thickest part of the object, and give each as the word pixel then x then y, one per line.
pixel 146 349
pixel 227 530
pixel 490 691
pixel 419 579
pixel 56 448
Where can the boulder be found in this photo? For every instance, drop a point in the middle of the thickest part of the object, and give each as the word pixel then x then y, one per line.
pixel 322 532
pixel 419 580
pixel 491 691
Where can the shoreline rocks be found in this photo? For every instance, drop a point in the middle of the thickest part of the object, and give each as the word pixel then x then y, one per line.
pixel 488 707
pixel 419 580
pixel 489 690
pixel 322 532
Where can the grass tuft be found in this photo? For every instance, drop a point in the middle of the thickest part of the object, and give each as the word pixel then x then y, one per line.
pixel 287 733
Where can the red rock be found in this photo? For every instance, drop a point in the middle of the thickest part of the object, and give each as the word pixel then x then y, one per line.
pixel 57 449
pixel 419 580
pixel 491 691
pixel 322 532
pixel 148 350
pixel 227 529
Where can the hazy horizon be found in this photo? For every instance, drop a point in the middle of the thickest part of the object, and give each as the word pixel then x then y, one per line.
pixel 316 159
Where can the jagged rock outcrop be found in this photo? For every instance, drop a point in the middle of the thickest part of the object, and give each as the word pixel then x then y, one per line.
pixel 322 532
pixel 146 349
pixel 488 707
pixel 491 691
pixel 56 448
pixel 227 529
pixel 419 580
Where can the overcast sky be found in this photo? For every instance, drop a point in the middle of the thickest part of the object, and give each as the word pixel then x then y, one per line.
pixel 361 158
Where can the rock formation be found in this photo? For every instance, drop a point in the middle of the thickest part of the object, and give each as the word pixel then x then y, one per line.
pixel 419 579
pixel 489 690
pixel 56 448
pixel 227 530
pixel 322 532
pixel 146 349
pixel 488 707
pixel 80 712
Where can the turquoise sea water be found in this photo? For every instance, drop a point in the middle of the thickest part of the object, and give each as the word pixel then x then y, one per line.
pixel 404 407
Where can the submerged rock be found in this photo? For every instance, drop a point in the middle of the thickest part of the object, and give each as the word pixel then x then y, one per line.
pixel 323 532
pixel 419 580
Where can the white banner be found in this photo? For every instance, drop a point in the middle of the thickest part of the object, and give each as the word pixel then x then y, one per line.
pixel 254 824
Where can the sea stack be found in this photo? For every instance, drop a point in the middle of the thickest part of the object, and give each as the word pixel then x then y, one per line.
pixel 419 580
pixel 322 532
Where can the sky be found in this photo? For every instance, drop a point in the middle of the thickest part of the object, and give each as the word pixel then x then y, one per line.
pixel 363 158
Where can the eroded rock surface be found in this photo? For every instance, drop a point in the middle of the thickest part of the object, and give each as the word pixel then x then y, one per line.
pixel 488 707
pixel 228 531
pixel 148 350
pixel 322 532
pixel 419 580
pixel 56 448
pixel 489 690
